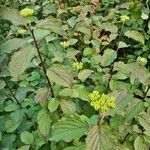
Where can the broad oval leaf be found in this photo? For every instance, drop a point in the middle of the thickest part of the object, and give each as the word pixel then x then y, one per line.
pixel 84 74
pixel 139 72
pixel 135 35
pixel 41 94
pixel 27 137
pixel 52 24
pixel 60 75
pixel 134 112
pixel 12 44
pixel 139 144
pixel 67 106
pixel 108 57
pixel 93 140
pixel 13 16
pixel 20 61
pixel 53 104
pixel 100 140
pixel 69 128
pixel 44 122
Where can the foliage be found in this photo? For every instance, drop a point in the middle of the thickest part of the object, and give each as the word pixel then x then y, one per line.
pixel 61 62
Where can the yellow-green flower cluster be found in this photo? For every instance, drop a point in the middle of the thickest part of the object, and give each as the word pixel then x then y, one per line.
pixel 21 31
pixel 78 65
pixel 142 61
pixel 65 44
pixel 124 18
pixel 26 12
pixel 101 102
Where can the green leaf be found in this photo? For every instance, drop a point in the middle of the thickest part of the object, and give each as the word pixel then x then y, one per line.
pixel 11 107
pixel 77 147
pixel 12 44
pixel 122 45
pixel 73 41
pixel 124 102
pixel 81 92
pixel 149 25
pixel 53 104
pixel 134 112
pixel 84 74
pixel 139 144
pixel 44 122
pixel 60 75
pixel 116 121
pixel 41 94
pixel 11 125
pixel 99 140
pixel 108 57
pixel 2 84
pixel 107 26
pixel 67 106
pixel 8 140
pixel 52 24
pixel 66 92
pixel 20 61
pixel 13 16
pixel 27 137
pixel 40 33
pixel 135 35
pixel 144 120
pixel 26 147
pixel 69 128
pixel 139 72
pixel 92 140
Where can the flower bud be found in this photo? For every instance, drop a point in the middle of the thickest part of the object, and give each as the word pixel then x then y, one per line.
pixel 124 18
pixel 26 12
pixel 142 61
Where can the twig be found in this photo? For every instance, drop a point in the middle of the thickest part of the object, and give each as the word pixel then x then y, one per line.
pixel 42 62
pixel 13 95
pixel 100 116
pixel 145 94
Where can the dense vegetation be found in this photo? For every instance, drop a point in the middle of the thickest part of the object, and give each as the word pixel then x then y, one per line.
pixel 75 75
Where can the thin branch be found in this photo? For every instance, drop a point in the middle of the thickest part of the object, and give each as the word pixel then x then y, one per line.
pixel 42 62
pixel 13 95
pixel 145 94
pixel 100 116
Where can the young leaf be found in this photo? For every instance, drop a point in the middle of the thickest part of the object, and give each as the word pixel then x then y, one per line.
pixel 60 75
pixel 11 107
pixel 12 44
pixel 84 74
pixel 2 84
pixel 44 122
pixel 139 72
pixel 139 144
pixel 53 104
pixel 69 128
pixel 108 57
pixel 107 26
pixel 144 120
pixel 122 45
pixel 133 113
pixel 41 94
pixel 27 137
pixel 52 24
pixel 67 106
pixel 20 61
pixel 81 92
pixel 13 16
pixel 135 35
